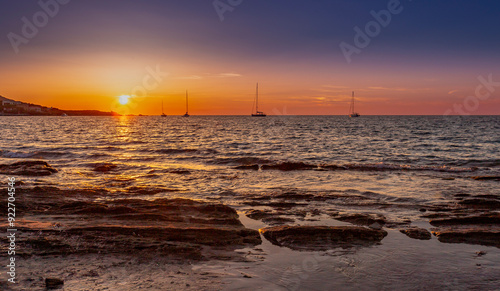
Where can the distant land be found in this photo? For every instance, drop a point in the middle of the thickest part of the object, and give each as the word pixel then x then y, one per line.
pixel 9 107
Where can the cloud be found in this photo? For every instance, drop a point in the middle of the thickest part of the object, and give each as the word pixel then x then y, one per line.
pixel 334 87
pixel 388 89
pixel 330 89
pixel 227 75
pixel 219 75
pixel 192 77
pixel 452 91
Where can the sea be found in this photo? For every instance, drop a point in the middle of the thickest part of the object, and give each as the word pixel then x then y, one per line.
pixel 398 164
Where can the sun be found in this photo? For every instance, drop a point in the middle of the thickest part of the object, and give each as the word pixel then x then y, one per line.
pixel 123 99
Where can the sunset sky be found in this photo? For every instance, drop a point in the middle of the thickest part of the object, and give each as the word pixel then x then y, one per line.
pixel 426 60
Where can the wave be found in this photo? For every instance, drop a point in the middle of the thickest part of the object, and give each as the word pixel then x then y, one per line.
pixel 176 151
pixel 36 154
pixel 245 161
pixel 481 163
pixel 295 166
pixel 399 167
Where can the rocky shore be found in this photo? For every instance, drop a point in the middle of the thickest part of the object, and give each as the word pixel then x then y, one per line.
pixel 111 228
pixel 63 222
pixel 107 230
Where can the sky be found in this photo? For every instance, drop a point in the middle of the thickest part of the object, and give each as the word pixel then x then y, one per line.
pixel 399 57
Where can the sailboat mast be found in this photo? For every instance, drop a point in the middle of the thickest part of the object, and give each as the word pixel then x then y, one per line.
pixel 257 98
pixel 161 106
pixel 186 101
pixel 352 102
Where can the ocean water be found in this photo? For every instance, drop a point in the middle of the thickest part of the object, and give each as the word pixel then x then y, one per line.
pixel 393 165
pixel 413 160
pixel 144 148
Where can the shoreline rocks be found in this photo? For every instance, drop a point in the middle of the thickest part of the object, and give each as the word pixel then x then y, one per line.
pixel 486 178
pixel 416 233
pixel 53 283
pixel 479 236
pixel 311 238
pixel 363 219
pixel 482 229
pixel 489 218
pixel 58 222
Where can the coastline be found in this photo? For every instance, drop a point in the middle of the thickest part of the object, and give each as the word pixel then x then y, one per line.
pixel 191 243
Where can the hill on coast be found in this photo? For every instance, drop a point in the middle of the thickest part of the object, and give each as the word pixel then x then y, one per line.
pixel 12 107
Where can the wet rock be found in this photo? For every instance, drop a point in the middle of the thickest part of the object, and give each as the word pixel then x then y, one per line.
pixel 104 167
pixel 362 219
pixel 276 204
pixel 289 166
pixel 481 203
pixel 181 228
pixel 28 168
pixel 315 212
pixel 279 204
pixel 53 283
pixel 258 214
pixel 486 178
pixel 479 236
pixel 417 233
pixel 480 253
pixel 247 167
pixel 487 196
pixel 91 273
pixel 268 216
pixel 322 237
pixel 46 245
pixel 435 215
pixel 397 223
pixel 277 220
pixel 441 208
pixel 262 197
pixel 491 218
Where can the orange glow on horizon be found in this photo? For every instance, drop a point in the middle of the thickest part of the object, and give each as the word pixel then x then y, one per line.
pixel 96 82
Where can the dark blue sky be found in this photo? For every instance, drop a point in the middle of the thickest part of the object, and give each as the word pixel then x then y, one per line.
pixel 268 27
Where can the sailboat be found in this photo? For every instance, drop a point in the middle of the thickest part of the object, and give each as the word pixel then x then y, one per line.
pixel 351 109
pixel 257 112
pixel 162 114
pixel 186 115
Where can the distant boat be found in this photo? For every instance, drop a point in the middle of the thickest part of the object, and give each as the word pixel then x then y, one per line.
pixel 64 114
pixel 187 114
pixel 351 109
pixel 162 114
pixel 257 112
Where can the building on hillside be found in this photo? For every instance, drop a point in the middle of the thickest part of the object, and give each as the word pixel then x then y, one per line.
pixel 6 103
